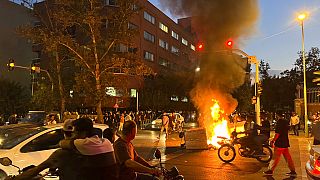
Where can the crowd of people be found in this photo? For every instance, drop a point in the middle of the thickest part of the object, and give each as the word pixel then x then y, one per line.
pixel 84 155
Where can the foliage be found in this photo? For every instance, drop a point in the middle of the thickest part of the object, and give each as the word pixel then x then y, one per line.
pixel 14 98
pixel 43 99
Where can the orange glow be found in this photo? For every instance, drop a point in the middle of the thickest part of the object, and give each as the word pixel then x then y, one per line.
pixel 218 125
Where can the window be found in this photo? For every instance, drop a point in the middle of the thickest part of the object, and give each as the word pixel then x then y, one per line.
pixel 49 140
pixel 111 2
pixel 132 26
pixel 184 41
pixel 133 93
pixel 174 50
pixel 163 62
pixel 148 56
pixel 163 27
pixel 148 36
pixel 192 47
pixel 148 17
pixel 175 35
pixel 163 44
pixel 120 48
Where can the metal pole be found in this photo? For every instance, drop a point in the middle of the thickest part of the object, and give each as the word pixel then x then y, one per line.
pixel 258 96
pixel 304 84
pixel 137 101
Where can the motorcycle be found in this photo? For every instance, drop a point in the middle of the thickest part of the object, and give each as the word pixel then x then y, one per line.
pixel 7 162
pixel 172 174
pixel 227 151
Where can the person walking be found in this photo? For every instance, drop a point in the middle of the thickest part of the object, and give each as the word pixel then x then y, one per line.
pixel 281 146
pixel 165 125
pixel 121 122
pixel 294 123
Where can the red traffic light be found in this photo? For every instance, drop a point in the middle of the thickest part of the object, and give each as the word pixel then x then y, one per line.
pixel 200 46
pixel 229 43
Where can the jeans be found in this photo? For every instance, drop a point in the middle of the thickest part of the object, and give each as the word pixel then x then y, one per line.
pixel 276 158
pixel 295 129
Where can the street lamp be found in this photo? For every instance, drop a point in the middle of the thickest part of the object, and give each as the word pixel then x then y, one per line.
pixel 301 18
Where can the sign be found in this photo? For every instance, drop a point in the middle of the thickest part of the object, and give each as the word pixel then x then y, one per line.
pixel 116 106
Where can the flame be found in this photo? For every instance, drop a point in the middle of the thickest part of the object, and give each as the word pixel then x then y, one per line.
pixel 218 125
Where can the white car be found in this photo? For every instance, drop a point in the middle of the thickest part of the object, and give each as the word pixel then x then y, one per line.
pixel 156 124
pixel 313 164
pixel 27 144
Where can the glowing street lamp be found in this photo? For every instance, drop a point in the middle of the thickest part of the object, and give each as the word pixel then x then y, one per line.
pixel 301 18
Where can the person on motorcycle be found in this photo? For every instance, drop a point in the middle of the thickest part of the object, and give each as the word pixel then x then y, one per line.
pixel 65 160
pixel 131 165
pixel 98 160
pixel 252 138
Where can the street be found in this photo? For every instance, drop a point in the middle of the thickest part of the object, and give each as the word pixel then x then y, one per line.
pixel 205 164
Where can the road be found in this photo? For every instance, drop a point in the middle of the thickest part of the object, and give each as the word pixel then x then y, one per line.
pixel 205 164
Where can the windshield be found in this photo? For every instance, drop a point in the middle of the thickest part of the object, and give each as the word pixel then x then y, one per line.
pixel 12 135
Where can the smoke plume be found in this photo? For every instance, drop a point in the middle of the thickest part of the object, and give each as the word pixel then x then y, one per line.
pixel 214 22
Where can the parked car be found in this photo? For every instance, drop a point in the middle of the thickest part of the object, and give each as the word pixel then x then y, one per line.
pixel 313 164
pixel 29 144
pixel 156 123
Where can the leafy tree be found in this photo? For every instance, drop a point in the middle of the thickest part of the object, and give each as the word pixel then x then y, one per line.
pixel 91 33
pixel 14 97
pixel 43 99
pixel 264 68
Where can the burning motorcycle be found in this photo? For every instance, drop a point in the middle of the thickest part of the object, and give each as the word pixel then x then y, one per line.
pixel 227 150
pixel 172 174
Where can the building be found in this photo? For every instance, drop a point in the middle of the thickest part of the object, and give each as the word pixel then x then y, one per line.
pixel 12 45
pixel 163 44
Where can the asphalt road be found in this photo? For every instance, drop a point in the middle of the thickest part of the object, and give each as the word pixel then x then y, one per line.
pixel 205 164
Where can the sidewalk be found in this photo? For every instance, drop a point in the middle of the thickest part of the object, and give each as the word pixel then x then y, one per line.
pixel 206 164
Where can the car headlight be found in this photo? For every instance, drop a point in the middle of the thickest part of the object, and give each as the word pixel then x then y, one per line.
pixel 153 122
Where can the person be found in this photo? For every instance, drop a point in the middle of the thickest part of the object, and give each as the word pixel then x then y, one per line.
pixel 66 161
pixel 164 125
pixel 172 120
pixel 131 165
pixel 51 120
pixel 316 132
pixel 128 117
pixel 281 145
pixel 294 123
pixel 109 134
pixel 252 139
pixel 98 160
pixel 121 122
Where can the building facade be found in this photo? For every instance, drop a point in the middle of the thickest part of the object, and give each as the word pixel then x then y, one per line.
pixel 12 45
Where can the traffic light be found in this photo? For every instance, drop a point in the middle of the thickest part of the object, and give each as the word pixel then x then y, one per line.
pixel 35 68
pixel 259 88
pixel 317 79
pixel 229 43
pixel 11 65
pixel 200 46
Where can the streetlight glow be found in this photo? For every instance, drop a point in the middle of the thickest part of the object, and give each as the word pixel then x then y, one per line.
pixel 302 16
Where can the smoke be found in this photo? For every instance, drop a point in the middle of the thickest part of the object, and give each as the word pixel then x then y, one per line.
pixel 216 21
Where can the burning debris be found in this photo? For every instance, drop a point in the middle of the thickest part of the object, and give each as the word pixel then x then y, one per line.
pixel 221 73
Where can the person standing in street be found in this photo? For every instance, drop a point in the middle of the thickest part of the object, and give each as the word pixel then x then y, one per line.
pixel 281 146
pixel 294 123
pixel 165 125
pixel 121 121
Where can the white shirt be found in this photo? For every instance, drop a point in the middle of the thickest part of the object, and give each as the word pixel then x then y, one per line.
pixel 294 120
pixel 93 145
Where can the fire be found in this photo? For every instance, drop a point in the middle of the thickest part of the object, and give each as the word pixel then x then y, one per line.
pixel 217 125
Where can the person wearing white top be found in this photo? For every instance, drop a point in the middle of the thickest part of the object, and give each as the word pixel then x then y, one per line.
pixel 294 123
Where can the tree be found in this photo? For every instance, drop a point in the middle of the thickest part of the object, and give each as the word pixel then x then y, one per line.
pixel 264 67
pixel 14 97
pixel 92 34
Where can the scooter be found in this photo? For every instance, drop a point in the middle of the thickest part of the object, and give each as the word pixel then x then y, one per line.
pixel 7 162
pixel 172 174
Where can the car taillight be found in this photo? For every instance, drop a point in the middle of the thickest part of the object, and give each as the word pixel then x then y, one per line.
pixel 316 166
